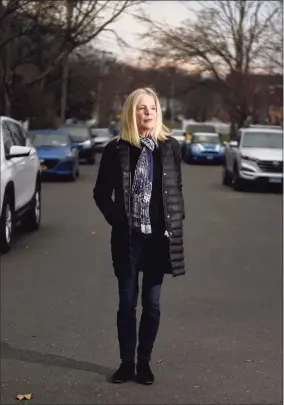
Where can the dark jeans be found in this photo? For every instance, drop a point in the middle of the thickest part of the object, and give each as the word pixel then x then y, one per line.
pixel 128 296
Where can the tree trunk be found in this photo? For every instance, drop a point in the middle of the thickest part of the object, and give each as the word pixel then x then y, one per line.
pixel 64 90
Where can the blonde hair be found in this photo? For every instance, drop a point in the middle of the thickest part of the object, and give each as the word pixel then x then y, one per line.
pixel 129 129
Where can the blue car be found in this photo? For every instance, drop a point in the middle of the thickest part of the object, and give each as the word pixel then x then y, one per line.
pixel 204 147
pixel 56 153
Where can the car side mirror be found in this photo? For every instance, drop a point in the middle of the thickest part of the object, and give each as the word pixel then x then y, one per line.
pixel 17 151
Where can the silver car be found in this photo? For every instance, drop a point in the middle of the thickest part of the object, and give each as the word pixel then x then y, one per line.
pixel 101 137
pixel 254 156
pixel 179 135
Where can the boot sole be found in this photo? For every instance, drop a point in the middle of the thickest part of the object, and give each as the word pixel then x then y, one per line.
pixel 117 381
pixel 139 381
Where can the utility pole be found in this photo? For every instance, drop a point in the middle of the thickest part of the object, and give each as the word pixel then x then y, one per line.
pixel 64 88
pixel 102 71
pixel 172 103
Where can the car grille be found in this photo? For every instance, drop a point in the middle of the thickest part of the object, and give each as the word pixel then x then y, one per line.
pixel 65 166
pixel 50 163
pixel 210 151
pixel 271 166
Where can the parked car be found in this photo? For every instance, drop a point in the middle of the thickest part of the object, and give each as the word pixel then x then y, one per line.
pixel 255 156
pixel 101 137
pixel 57 155
pixel 81 138
pixel 265 126
pixel 20 191
pixel 191 127
pixel 179 135
pixel 204 147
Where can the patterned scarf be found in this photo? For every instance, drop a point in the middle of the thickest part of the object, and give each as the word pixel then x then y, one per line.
pixel 142 187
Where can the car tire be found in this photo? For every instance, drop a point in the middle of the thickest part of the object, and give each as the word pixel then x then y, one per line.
pixel 7 223
pixel 73 176
pixel 187 156
pixel 92 160
pixel 226 178
pixel 237 183
pixel 189 159
pixel 31 220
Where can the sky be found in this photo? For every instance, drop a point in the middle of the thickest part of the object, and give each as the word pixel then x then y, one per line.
pixel 171 12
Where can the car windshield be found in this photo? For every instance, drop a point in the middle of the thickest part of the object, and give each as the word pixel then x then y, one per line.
pixel 273 140
pixel 192 128
pixel 178 133
pixel 100 132
pixel 50 140
pixel 78 134
pixel 205 139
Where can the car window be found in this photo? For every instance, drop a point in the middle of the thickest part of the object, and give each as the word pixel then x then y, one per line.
pixel 8 139
pixel 78 134
pixel 51 140
pixel 17 134
pixel 23 135
pixel 205 139
pixel 261 139
pixel 100 132
pixel 192 128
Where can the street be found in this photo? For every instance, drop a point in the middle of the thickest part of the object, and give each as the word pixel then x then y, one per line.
pixel 220 339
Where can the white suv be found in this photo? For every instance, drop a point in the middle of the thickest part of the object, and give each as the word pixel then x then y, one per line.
pixel 20 192
pixel 255 156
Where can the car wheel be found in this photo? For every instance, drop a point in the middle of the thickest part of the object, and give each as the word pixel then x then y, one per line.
pixel 92 160
pixel 189 158
pixel 73 176
pixel 31 220
pixel 7 224
pixel 226 179
pixel 236 181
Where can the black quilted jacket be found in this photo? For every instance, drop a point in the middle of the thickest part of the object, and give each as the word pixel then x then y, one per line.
pixel 115 176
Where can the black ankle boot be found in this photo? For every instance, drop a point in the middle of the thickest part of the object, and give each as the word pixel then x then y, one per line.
pixel 144 373
pixel 125 372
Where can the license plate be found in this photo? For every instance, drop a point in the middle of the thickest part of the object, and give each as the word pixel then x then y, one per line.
pixel 275 180
pixel 209 157
pixel 43 167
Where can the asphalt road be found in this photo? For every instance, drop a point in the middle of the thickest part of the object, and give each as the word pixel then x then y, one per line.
pixel 220 339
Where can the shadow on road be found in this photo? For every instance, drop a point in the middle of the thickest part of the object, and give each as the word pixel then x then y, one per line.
pixel 254 189
pixel 13 353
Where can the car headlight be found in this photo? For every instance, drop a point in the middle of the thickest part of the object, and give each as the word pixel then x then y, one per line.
pixel 86 143
pixel 67 157
pixel 195 148
pixel 249 158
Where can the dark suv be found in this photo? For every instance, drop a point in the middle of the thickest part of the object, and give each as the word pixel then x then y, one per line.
pixel 81 138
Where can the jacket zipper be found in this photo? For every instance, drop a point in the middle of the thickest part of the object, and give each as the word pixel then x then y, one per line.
pixel 164 200
pixel 130 223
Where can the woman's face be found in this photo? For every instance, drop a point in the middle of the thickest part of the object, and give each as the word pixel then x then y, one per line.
pixel 146 114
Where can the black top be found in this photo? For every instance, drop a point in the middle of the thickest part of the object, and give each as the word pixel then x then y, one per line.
pixel 156 202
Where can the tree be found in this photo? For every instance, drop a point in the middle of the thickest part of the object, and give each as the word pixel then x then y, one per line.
pixel 83 21
pixel 273 50
pixel 67 26
pixel 226 40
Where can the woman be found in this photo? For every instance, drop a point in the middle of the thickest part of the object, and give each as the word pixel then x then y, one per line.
pixel 143 169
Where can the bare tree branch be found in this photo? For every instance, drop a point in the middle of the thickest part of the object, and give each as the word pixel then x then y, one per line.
pixel 226 38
